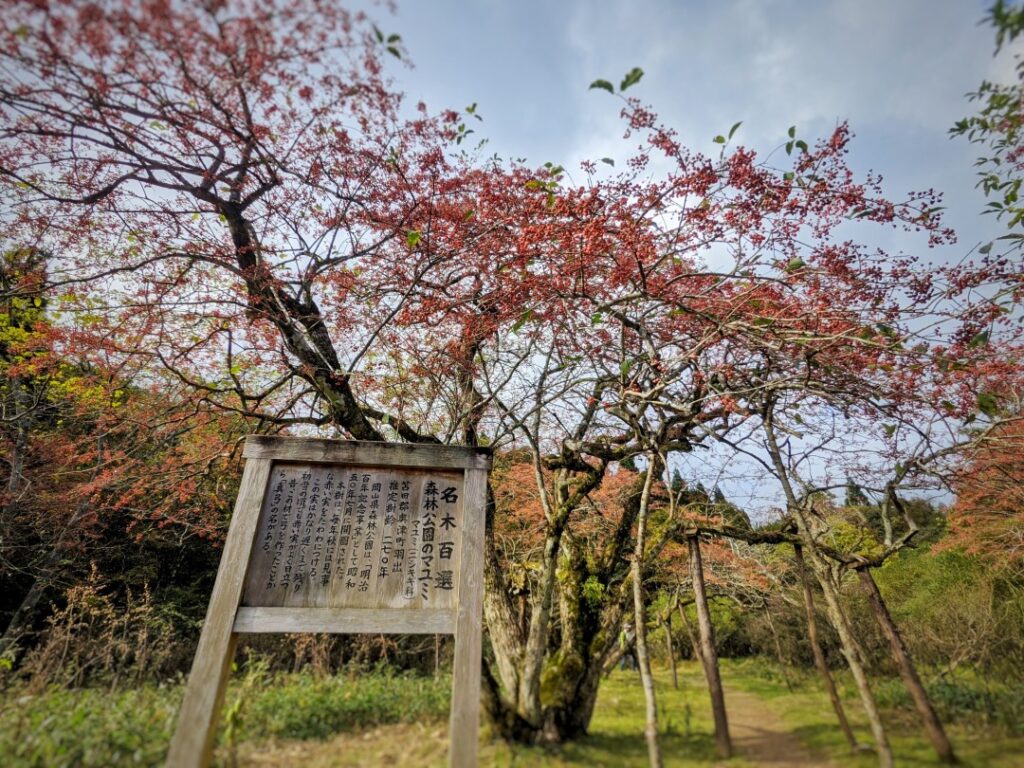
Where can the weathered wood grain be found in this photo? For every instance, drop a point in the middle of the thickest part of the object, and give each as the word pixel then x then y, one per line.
pixel 318 594
pixel 345 536
pixel 365 453
pixel 465 714
pixel 426 621
pixel 192 744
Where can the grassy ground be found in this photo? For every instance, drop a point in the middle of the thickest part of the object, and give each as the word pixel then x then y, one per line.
pixel 616 738
pixel 386 719
pixel 808 714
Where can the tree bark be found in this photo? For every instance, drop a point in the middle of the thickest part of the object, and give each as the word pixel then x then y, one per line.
pixel 778 648
pixel 691 636
pixel 709 655
pixel 640 619
pixel 849 647
pixel 933 726
pixel 819 654
pixel 832 602
pixel 667 624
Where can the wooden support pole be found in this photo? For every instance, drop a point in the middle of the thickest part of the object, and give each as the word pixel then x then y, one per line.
pixel 465 715
pixel 192 745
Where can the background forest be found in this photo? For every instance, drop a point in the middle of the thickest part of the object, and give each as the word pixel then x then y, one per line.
pixel 220 219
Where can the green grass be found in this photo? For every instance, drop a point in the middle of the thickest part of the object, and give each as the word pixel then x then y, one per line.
pixel 96 727
pixel 616 732
pixel 808 714
pixel 375 717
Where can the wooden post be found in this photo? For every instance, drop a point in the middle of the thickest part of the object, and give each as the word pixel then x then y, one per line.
pixel 192 745
pixel 465 715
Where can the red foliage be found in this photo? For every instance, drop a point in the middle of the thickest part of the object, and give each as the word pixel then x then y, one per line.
pixel 988 516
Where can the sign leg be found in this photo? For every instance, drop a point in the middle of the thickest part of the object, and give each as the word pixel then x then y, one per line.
pixel 464 725
pixel 192 745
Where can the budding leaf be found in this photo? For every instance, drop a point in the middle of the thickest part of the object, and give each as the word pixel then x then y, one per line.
pixel 979 341
pixel 988 404
pixel 523 319
pixel 413 237
pixel 632 78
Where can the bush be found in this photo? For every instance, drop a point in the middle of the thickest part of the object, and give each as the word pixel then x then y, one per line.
pixel 962 699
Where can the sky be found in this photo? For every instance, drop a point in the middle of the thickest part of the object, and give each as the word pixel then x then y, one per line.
pixel 896 70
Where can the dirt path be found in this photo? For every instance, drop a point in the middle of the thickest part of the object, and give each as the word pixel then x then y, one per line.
pixel 760 736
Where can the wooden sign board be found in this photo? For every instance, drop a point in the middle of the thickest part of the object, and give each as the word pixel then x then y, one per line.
pixel 347 537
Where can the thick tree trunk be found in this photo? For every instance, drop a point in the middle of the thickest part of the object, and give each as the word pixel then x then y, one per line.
pixel 819 654
pixel 709 655
pixel 640 619
pixel 932 724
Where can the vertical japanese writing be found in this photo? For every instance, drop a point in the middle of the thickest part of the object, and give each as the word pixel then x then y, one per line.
pixel 353 532
pixel 319 503
pixel 367 572
pixel 354 536
pixel 404 511
pixel 277 521
pixel 428 525
pixel 294 522
pixel 446 544
pixel 332 521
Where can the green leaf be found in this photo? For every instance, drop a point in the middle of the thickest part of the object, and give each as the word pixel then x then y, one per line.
pixel 523 319
pixel 378 34
pixel 624 367
pixel 394 38
pixel 394 52
pixel 608 161
pixel 788 176
pixel 719 139
pixel 795 264
pixel 596 318
pixel 890 429
pixel 985 248
pixel 603 84
pixel 632 78
pixel 979 341
pixel 792 131
pixel 801 144
pixel 412 238
pixel 988 404
pixel 735 128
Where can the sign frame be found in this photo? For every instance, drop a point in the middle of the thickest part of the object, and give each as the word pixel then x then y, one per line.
pixel 226 617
